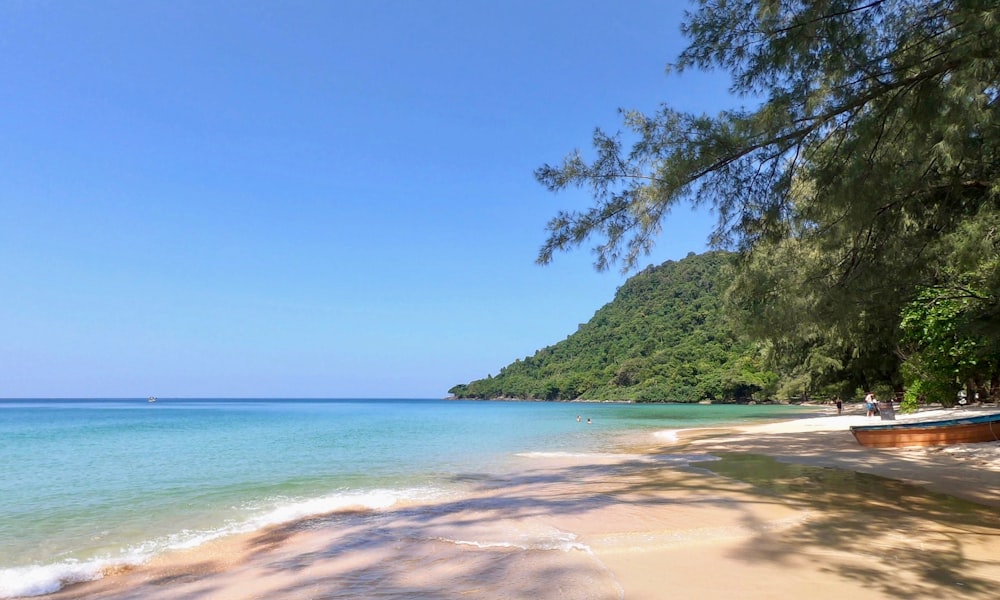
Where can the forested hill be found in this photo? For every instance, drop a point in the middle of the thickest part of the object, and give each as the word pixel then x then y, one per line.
pixel 662 339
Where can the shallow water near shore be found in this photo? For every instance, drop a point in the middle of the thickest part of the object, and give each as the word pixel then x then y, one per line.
pixel 91 485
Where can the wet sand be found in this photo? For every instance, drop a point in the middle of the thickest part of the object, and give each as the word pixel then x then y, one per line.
pixel 779 510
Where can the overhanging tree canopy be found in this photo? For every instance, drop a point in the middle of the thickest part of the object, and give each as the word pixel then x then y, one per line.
pixel 875 140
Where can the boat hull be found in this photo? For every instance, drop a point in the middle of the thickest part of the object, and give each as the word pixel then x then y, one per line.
pixel 935 433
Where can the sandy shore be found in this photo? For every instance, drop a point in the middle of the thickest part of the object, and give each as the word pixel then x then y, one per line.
pixel 779 510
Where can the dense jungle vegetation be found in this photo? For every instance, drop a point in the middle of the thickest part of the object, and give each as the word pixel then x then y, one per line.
pixel 663 337
pixel 860 196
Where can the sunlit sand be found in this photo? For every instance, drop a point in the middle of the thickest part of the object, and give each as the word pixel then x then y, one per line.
pixel 765 511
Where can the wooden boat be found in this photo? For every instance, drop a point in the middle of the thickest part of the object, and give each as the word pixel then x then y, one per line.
pixel 965 430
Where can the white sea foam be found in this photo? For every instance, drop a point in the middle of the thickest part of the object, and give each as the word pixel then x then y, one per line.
pixel 547 541
pixel 667 435
pixel 558 540
pixel 585 455
pixel 341 502
pixel 285 511
pixel 38 580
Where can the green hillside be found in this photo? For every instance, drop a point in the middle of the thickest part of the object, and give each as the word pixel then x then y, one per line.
pixel 662 339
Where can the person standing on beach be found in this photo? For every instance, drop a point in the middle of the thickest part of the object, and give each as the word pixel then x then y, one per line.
pixel 870 404
pixel 840 404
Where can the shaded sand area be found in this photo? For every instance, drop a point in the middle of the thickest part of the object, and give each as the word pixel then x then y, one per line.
pixel 769 511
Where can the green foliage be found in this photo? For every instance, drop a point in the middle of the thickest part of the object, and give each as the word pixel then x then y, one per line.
pixel 662 338
pixel 926 383
pixel 887 109
pixel 863 192
pixel 911 401
pixel 949 331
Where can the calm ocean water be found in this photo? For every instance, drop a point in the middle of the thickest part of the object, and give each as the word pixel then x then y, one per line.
pixel 92 483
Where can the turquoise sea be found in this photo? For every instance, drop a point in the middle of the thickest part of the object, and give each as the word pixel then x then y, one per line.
pixel 89 484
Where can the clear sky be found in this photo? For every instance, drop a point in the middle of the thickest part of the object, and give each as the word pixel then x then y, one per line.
pixel 306 199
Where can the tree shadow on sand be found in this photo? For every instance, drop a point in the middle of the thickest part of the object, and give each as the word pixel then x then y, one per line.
pixel 851 513
pixel 492 543
pixel 915 542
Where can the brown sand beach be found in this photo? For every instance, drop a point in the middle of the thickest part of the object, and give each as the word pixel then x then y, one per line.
pixel 790 509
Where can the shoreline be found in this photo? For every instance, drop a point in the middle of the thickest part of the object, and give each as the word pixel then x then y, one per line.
pixel 962 470
pixel 782 508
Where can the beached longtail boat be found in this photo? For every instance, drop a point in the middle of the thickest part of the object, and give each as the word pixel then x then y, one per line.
pixel 965 430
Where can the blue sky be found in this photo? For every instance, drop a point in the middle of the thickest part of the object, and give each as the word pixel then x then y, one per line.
pixel 306 199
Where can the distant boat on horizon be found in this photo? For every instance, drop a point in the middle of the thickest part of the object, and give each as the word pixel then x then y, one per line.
pixel 151 399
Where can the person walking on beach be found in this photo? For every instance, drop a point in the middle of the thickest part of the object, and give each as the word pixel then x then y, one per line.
pixel 870 404
pixel 840 405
